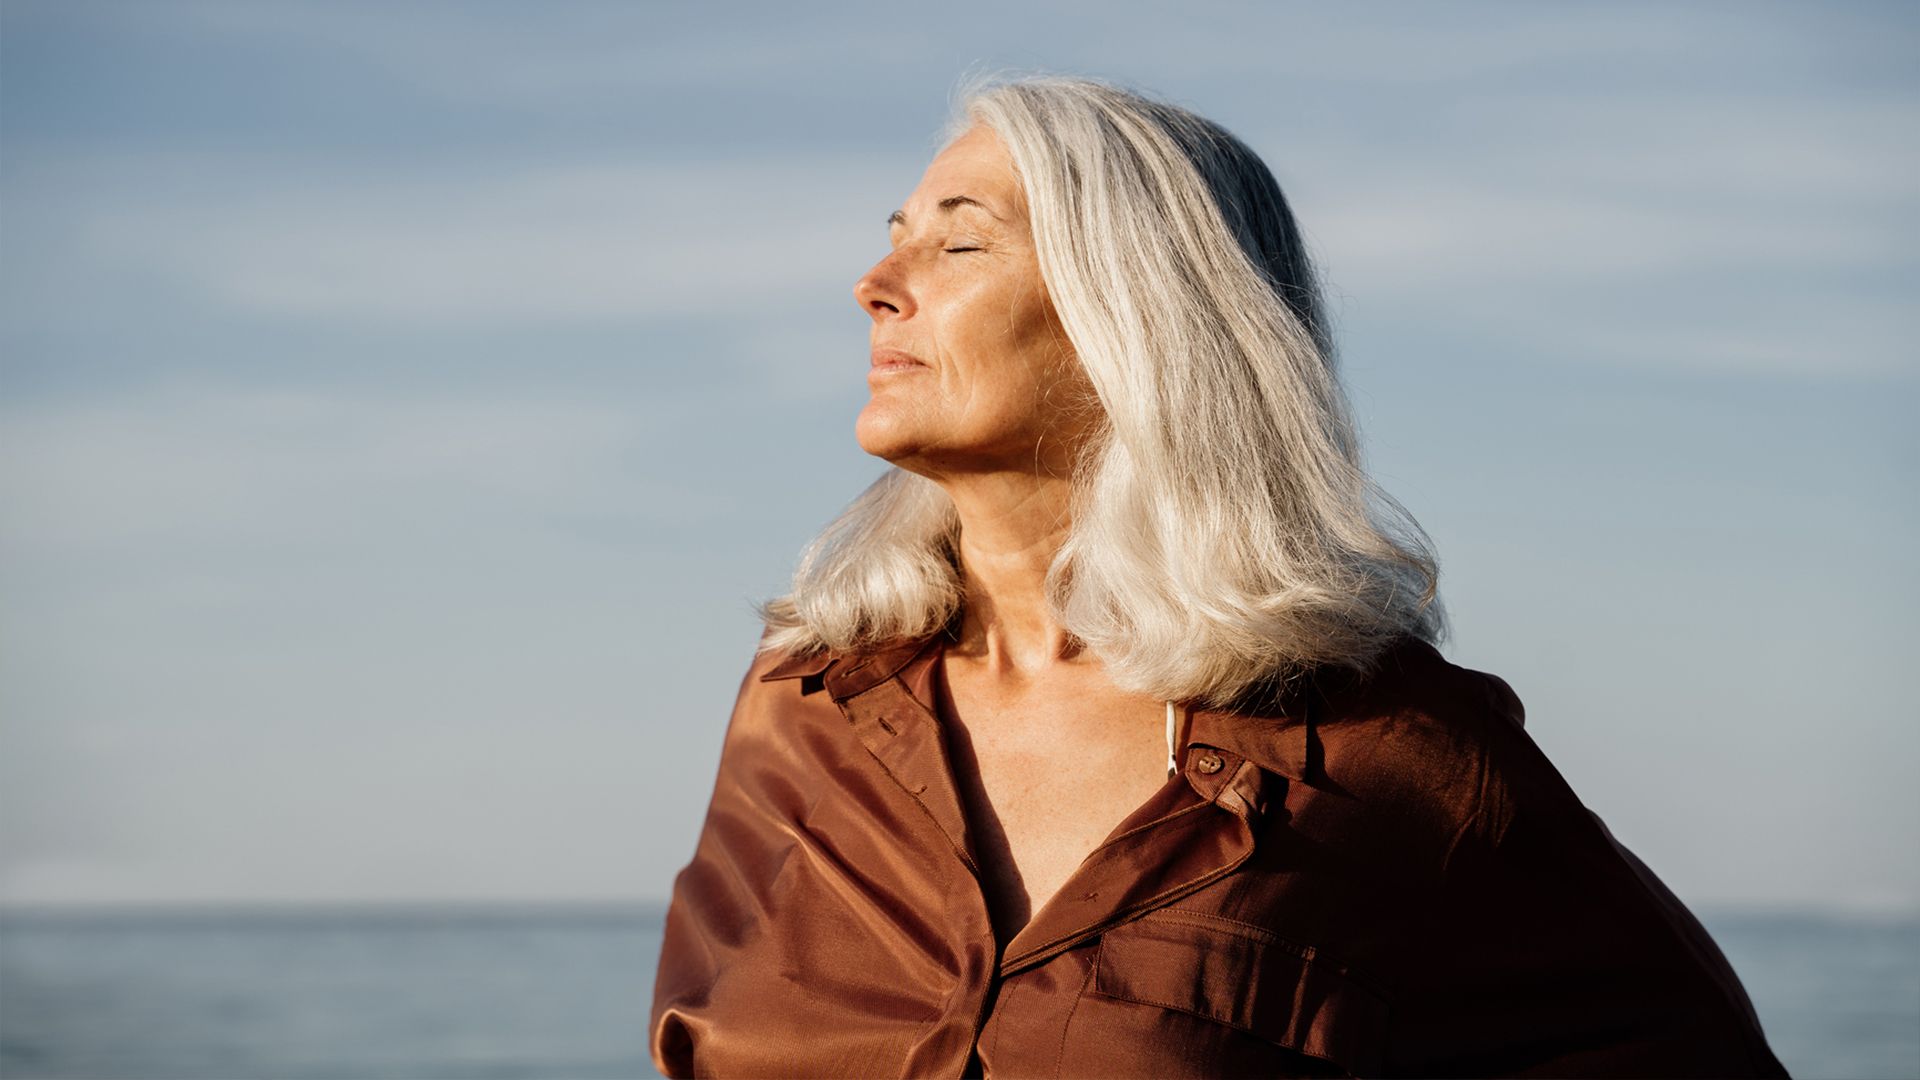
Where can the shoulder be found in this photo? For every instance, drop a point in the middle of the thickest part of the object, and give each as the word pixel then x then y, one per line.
pixel 777 701
pixel 1413 718
pixel 1424 749
pixel 1511 889
pixel 787 688
pixel 1411 683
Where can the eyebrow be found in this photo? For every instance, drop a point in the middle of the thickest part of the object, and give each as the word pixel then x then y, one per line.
pixel 899 217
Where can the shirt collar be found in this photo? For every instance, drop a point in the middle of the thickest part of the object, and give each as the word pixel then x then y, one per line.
pixel 1277 736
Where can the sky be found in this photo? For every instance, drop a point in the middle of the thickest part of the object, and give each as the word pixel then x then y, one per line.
pixel 402 406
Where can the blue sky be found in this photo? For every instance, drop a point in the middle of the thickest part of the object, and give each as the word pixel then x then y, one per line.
pixel 401 405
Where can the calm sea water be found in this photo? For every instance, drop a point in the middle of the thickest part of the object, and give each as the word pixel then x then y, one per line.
pixel 356 995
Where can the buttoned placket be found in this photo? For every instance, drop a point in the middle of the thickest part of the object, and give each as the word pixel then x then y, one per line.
pixel 1197 828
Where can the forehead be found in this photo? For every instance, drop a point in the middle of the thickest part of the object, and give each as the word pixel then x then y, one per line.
pixel 976 164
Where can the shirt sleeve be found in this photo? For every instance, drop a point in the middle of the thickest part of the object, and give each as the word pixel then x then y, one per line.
pixel 718 901
pixel 1571 957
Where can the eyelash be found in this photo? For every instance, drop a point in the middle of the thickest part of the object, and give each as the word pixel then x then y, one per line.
pixel 955 250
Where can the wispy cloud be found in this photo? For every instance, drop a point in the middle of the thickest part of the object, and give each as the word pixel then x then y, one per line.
pixel 1529 178
pixel 592 241
pixel 634 242
pixel 269 470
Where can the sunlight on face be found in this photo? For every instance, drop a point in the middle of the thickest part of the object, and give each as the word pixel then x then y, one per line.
pixel 971 370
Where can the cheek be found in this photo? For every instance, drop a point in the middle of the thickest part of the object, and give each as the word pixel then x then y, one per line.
pixel 1006 376
pixel 1042 361
pixel 1018 402
pixel 1004 336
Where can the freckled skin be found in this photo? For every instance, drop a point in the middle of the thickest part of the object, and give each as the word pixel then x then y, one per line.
pixel 1047 769
pixel 1048 753
pixel 962 292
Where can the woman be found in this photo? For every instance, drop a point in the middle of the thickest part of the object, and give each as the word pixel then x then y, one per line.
pixel 1104 735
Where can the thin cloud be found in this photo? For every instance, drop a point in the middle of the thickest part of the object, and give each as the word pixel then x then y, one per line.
pixel 261 470
pixel 598 242
pixel 636 242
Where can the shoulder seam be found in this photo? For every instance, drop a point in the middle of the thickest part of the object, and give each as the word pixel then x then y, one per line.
pixel 1494 722
pixel 1473 820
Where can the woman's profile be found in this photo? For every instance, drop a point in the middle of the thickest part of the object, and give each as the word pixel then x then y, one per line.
pixel 1105 734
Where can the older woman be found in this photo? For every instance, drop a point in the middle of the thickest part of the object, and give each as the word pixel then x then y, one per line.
pixel 1104 735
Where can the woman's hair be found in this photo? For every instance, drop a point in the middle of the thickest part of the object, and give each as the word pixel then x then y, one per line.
pixel 1223 532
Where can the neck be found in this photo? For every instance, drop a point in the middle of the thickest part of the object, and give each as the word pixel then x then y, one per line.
pixel 1010 528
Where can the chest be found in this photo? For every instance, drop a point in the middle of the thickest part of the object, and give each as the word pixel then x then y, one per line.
pixel 1046 776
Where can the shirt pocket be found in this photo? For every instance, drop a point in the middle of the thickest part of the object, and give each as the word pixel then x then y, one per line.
pixel 1306 1015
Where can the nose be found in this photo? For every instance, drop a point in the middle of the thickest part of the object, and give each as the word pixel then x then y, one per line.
pixel 881 292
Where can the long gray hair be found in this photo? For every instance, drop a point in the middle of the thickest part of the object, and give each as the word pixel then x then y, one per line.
pixel 1223 532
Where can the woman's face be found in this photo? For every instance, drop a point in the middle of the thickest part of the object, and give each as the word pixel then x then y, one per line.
pixel 971 370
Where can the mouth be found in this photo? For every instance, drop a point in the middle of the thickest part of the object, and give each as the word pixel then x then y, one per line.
pixel 889 361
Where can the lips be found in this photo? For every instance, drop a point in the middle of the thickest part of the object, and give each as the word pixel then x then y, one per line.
pixel 888 359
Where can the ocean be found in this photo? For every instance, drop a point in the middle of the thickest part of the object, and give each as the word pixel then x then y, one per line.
pixel 355 994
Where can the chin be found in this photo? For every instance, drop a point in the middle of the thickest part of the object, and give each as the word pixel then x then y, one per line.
pixel 880 431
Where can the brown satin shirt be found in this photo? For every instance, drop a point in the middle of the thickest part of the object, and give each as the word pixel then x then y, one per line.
pixel 1374 877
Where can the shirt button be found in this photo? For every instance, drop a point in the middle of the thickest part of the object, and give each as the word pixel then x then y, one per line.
pixel 1209 763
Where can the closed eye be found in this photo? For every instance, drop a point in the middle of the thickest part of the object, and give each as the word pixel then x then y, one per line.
pixel 959 249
